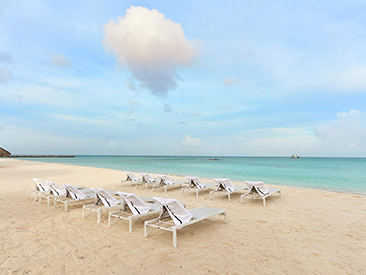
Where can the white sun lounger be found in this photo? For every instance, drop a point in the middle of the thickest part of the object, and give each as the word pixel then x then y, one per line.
pixel 74 195
pixel 103 201
pixel 179 217
pixel 41 188
pixel 133 208
pixel 196 183
pixel 130 178
pixel 146 179
pixel 55 191
pixel 225 185
pixel 167 181
pixel 258 190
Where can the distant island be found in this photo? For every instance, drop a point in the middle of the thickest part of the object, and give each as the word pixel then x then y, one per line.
pixel 6 154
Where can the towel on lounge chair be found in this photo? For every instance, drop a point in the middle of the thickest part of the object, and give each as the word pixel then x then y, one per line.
pixel 147 178
pixel 131 176
pixel 74 193
pixel 136 205
pixel 174 209
pixel 197 182
pixel 258 186
pixel 166 179
pixel 226 184
pixel 56 189
pixel 105 198
pixel 41 186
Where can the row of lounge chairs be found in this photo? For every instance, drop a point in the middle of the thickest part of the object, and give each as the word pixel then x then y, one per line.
pixel 172 215
pixel 255 189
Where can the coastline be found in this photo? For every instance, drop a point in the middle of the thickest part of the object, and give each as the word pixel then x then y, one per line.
pixel 305 231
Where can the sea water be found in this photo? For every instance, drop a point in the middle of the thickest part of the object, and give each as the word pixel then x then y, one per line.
pixel 333 174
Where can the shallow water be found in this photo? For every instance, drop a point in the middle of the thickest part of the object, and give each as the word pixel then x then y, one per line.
pixel 334 174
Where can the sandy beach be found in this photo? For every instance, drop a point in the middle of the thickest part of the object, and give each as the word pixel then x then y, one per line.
pixel 302 232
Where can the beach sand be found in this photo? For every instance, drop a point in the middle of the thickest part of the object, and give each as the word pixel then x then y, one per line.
pixel 302 232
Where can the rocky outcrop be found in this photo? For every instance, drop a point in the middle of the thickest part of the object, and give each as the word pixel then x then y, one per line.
pixel 4 153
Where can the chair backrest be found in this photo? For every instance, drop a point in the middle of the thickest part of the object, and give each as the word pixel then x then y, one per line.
pixel 41 185
pixel 147 178
pixel 131 176
pixel 165 179
pixel 136 205
pixel 196 181
pixel 56 189
pixel 226 184
pixel 74 193
pixel 102 196
pixel 174 209
pixel 257 186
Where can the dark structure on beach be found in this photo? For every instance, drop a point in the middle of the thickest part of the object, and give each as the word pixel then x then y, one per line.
pixel 4 153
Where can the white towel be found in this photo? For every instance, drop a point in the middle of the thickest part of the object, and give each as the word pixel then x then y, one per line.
pixel 197 182
pixel 257 186
pixel 136 205
pixel 41 185
pixel 56 189
pixel 73 192
pixel 103 196
pixel 131 176
pixel 226 184
pixel 146 177
pixel 174 209
pixel 166 179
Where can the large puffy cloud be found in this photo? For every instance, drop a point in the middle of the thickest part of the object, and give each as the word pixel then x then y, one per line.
pixel 347 136
pixel 151 46
pixel 192 142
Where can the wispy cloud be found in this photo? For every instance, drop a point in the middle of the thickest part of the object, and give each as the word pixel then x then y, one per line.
pixel 151 46
pixel 5 57
pixel 5 75
pixel 230 81
pixel 60 60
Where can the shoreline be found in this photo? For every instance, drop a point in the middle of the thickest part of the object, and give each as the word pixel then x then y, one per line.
pixel 207 179
pixel 304 231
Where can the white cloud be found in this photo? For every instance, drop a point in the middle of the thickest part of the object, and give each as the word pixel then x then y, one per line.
pixel 134 103
pixel 60 60
pixel 129 83
pixel 192 142
pixel 151 46
pixel 5 57
pixel 112 143
pixel 5 75
pixel 346 136
pixel 229 81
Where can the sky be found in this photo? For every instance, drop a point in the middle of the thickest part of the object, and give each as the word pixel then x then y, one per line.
pixel 210 78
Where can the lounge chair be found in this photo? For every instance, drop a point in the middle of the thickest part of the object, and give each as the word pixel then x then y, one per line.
pixel 57 191
pixel 173 216
pixel 41 188
pixel 147 179
pixel 133 208
pixel 130 178
pixel 103 201
pixel 167 181
pixel 225 185
pixel 258 190
pixel 196 183
pixel 74 195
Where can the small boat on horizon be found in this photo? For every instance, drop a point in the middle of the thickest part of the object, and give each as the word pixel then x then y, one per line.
pixel 295 156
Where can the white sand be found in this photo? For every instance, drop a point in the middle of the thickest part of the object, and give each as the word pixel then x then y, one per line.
pixel 302 232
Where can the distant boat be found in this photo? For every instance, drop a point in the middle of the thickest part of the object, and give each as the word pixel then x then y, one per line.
pixel 295 156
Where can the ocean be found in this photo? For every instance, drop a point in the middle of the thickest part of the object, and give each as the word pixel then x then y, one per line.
pixel 334 174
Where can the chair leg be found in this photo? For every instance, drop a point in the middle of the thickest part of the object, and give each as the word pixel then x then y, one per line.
pixel 83 212
pixel 175 237
pixel 228 196
pixel 109 219
pixel 66 205
pixel 130 225
pixel 145 229
pixel 99 215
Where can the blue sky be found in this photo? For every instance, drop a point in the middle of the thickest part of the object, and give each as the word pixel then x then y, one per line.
pixel 183 78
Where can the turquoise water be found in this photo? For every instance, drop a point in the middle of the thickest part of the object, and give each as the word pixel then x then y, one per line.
pixel 334 174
